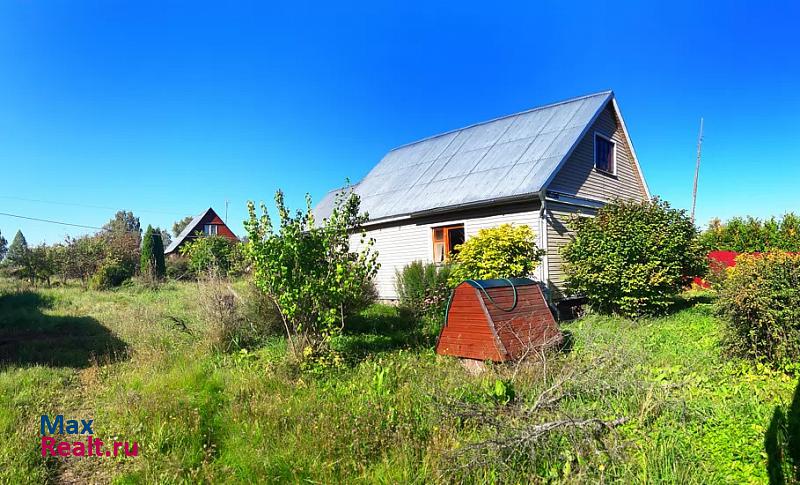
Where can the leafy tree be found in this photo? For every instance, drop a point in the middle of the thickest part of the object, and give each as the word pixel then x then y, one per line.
pixel 749 234
pixel 504 251
pixel 180 225
pixel 309 271
pixel 124 222
pixel 3 247
pixel 81 257
pixel 632 257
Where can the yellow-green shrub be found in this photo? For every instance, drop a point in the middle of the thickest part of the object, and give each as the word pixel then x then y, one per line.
pixel 760 298
pixel 504 251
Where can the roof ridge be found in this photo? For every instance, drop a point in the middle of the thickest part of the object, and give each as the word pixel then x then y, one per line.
pixel 537 108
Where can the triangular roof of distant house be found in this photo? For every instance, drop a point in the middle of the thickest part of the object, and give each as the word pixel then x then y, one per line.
pixel 189 230
pixel 502 159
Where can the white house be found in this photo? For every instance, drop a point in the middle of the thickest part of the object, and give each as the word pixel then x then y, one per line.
pixel 536 167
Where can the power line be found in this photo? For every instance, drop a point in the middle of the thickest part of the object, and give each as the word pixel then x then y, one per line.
pixel 89 206
pixel 49 221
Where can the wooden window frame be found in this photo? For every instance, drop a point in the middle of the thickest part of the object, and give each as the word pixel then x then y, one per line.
pixel 207 229
pixel 445 239
pixel 613 170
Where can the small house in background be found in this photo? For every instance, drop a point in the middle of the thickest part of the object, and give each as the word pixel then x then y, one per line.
pixel 206 224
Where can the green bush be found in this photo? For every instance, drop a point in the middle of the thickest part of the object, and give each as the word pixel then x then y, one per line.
pixel 110 274
pixel 178 268
pixel 760 299
pixel 212 254
pixel 749 234
pixel 633 257
pixel 504 251
pixel 308 269
pixel 421 286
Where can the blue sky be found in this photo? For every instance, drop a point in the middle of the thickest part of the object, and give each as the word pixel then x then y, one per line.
pixel 166 108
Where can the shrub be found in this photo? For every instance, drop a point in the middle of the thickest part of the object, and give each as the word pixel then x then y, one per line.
pixel 504 251
pixel 749 234
pixel 309 270
pixel 211 254
pixel 178 267
pixel 633 257
pixel 421 286
pixel 760 299
pixel 110 274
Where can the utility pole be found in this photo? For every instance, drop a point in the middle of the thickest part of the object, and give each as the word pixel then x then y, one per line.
pixel 697 168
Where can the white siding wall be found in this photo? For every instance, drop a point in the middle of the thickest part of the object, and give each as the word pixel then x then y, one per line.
pixel 401 244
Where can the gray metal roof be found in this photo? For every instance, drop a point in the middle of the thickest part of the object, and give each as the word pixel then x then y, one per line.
pixel 186 231
pixel 504 158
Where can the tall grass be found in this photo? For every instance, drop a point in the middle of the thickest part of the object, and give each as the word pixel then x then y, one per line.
pixel 250 416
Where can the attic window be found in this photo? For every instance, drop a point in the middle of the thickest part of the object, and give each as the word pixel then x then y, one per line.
pixel 445 240
pixel 605 154
pixel 210 229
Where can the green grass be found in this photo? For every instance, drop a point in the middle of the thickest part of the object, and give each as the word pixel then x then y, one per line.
pixel 386 416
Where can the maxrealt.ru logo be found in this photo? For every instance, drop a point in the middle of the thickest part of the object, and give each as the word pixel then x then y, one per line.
pixel 91 446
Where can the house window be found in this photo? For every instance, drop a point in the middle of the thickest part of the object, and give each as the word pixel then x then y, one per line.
pixel 605 154
pixel 210 229
pixel 445 240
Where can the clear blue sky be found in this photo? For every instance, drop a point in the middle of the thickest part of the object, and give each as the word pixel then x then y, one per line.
pixel 166 108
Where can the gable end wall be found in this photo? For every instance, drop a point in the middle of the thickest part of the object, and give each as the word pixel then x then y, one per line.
pixel 578 176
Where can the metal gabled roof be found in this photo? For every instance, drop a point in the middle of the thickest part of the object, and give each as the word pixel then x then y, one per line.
pixel 187 231
pixel 504 158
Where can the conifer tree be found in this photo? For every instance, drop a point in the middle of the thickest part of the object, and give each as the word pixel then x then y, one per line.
pixel 18 249
pixel 146 261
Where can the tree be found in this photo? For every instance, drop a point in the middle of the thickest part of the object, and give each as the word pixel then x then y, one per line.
pixel 180 225
pixel 124 222
pixel 151 259
pixel 309 270
pixel 504 251
pixel 632 258
pixel 3 247
pixel 18 249
pixel 166 239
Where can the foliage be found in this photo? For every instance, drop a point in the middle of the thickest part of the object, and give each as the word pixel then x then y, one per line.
pixel 18 249
pixel 309 270
pixel 178 267
pixel 633 257
pixel 180 225
pixel 166 238
pixel 760 299
pixel 151 264
pixel 213 254
pixel 749 234
pixel 79 258
pixel 124 222
pixel 505 251
pixel 111 273
pixel 695 415
pixel 423 288
pixel 3 247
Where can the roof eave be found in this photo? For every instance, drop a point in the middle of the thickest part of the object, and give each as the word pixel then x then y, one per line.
pixel 528 197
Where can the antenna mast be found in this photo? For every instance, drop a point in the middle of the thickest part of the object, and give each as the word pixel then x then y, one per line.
pixel 226 207
pixel 697 168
